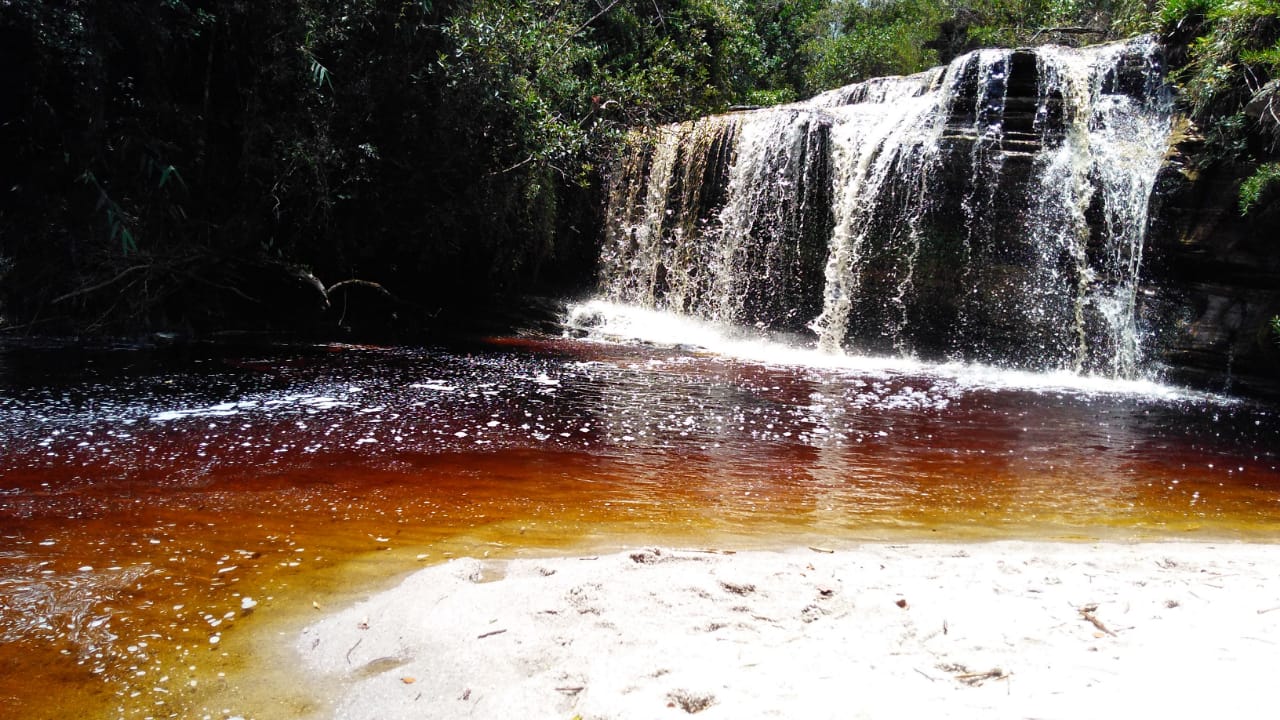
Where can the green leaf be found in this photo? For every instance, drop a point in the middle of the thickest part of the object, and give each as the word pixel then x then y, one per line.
pixel 1255 187
pixel 168 172
pixel 320 74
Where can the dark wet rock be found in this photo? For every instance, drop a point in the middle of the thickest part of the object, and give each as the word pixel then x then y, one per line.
pixel 1215 277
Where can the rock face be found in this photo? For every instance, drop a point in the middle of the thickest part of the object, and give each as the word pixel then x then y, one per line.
pixel 1217 275
pixel 1021 208
pixel 991 211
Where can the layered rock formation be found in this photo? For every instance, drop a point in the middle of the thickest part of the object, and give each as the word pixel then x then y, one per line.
pixel 990 211
pixel 1216 272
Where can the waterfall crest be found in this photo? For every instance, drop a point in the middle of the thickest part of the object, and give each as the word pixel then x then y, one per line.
pixel 993 210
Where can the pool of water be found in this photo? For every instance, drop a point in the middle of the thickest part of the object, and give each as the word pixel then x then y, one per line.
pixel 154 505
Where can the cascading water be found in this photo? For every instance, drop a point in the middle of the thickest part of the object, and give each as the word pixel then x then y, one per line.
pixel 992 211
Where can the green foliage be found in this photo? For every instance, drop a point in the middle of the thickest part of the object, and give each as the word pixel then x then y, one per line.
pixel 1266 59
pixel 1254 188
pixel 1012 23
pixel 1176 12
pixel 1233 49
pixel 868 39
pixel 446 150
pixel 320 74
pixel 765 98
pixel 782 28
pixel 518 73
pixel 117 220
pixel 853 40
pixel 1234 45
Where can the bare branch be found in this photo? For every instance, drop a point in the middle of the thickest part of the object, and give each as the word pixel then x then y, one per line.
pixel 105 283
pixel 355 282
pixel 583 26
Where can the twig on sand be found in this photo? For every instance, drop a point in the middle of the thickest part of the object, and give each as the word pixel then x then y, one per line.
pixel 708 551
pixel 1267 610
pixel 978 678
pixel 571 690
pixel 353 648
pixel 490 634
pixel 964 675
pixel 926 675
pixel 1087 612
pixel 828 551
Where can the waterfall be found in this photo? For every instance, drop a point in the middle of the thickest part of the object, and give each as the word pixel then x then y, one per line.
pixel 993 210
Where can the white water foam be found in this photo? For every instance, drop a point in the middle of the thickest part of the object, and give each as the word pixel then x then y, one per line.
pixel 599 320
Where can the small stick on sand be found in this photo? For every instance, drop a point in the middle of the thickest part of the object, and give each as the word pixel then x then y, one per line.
pixel 490 634
pixel 1087 611
pixel 978 678
pixel 926 675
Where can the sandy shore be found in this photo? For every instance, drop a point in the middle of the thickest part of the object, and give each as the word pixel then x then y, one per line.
pixel 1005 629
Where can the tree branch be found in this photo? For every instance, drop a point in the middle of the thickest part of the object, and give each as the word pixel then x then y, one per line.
pixel 661 20
pixel 517 166
pixel 583 26
pixel 105 283
pixel 356 282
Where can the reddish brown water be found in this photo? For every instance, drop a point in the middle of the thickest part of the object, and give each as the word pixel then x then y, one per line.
pixel 153 507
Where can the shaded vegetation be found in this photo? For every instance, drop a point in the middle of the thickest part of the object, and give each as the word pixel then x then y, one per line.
pixel 1229 81
pixel 1263 180
pixel 200 165
pixel 855 39
pixel 209 164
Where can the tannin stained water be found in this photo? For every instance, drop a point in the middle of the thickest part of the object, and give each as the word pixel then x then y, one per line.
pixel 153 508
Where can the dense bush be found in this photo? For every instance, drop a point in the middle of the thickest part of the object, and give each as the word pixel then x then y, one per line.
pixel 177 163
pixel 1228 83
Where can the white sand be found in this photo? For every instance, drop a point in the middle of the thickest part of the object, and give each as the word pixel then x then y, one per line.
pixel 988 630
